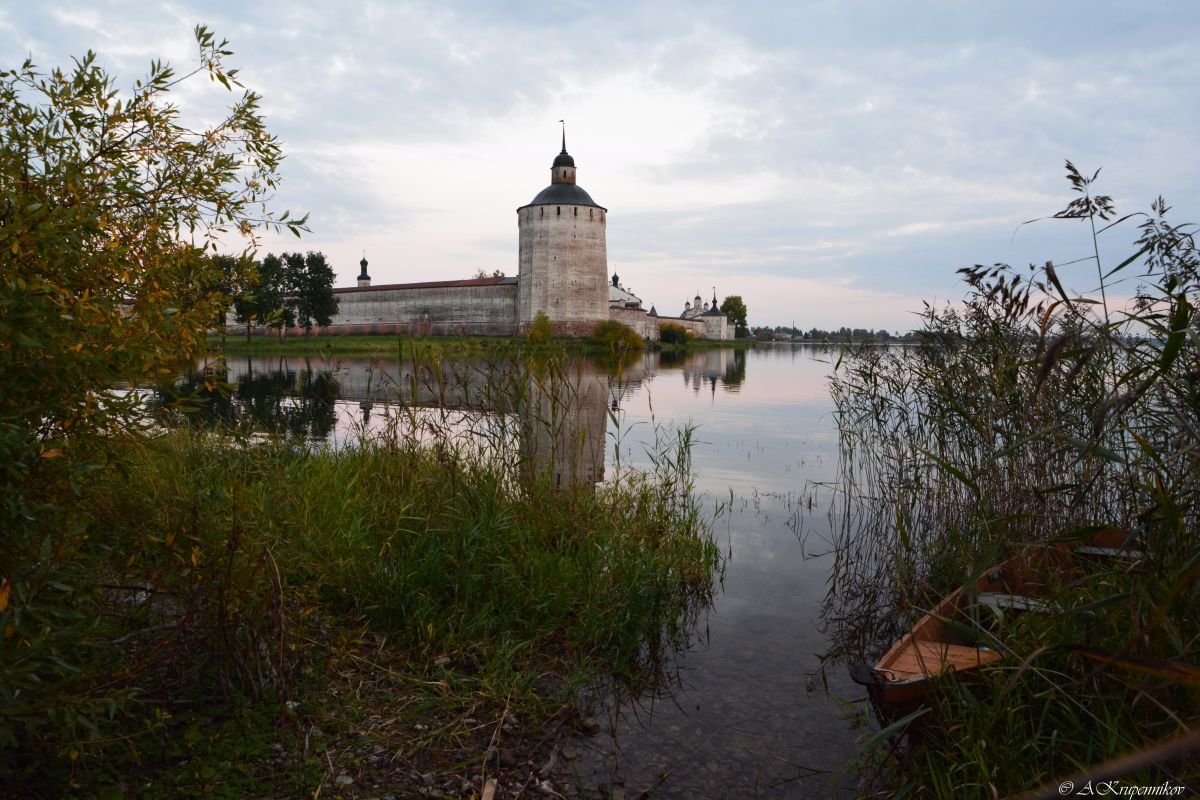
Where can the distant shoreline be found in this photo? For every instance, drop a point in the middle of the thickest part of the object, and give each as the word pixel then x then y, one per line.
pixel 445 346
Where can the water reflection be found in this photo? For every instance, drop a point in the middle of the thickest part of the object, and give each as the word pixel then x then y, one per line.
pixel 289 397
pixel 745 711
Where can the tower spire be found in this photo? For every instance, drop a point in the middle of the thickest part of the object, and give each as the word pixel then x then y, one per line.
pixel 564 134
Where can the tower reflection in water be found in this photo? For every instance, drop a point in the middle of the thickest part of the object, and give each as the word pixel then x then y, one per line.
pixel 548 420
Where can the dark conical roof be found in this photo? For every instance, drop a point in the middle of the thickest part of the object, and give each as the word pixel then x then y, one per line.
pixel 564 194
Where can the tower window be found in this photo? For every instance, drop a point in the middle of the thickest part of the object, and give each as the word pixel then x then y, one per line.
pixel 589 213
pixel 541 212
pixel 559 211
pixel 577 212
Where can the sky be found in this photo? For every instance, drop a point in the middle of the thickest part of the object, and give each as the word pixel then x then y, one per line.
pixel 833 163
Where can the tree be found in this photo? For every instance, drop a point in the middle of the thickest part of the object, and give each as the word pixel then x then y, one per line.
pixel 733 308
pixel 263 302
pixel 309 280
pixel 108 204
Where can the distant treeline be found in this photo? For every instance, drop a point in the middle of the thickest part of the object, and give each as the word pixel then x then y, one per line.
pixel 784 333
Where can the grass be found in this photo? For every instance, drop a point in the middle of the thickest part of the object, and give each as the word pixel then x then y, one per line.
pixel 417 593
pixel 1033 414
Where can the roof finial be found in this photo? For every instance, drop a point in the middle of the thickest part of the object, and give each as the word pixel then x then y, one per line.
pixel 564 132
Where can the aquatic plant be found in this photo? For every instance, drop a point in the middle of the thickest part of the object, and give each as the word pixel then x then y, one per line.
pixel 1033 412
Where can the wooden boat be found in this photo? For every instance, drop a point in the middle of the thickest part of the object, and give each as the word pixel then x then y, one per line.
pixel 943 643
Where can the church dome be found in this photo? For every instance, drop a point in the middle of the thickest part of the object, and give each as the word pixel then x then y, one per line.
pixel 564 159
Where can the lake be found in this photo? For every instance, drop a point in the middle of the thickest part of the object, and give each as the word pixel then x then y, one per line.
pixel 746 710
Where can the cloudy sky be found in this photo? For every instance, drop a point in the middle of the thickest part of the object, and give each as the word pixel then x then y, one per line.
pixel 831 162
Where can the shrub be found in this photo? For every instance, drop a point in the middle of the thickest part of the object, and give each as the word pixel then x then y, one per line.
pixel 616 337
pixel 541 330
pixel 109 203
pixel 674 334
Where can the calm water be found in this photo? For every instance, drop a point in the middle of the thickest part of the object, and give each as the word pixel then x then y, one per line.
pixel 747 713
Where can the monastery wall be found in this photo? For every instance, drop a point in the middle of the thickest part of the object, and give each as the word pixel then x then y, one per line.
pixel 483 307
pixel 645 325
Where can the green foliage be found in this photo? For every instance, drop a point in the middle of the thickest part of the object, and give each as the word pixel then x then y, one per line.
pixel 98 287
pixel 109 203
pixel 616 337
pixel 673 334
pixel 222 556
pixel 310 281
pixel 263 301
pixel 288 290
pixel 1032 413
pixel 541 330
pixel 735 309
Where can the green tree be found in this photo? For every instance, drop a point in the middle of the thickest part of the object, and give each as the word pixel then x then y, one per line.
pixel 733 308
pixel 109 202
pixel 309 280
pixel 262 303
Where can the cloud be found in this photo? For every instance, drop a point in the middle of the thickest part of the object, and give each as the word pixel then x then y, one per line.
pixel 830 159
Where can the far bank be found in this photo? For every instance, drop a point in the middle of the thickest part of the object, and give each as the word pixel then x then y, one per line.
pixel 441 346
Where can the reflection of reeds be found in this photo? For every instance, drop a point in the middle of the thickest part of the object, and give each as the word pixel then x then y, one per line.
pixel 1027 416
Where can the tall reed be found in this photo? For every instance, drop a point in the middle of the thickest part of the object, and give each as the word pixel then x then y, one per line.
pixel 1031 413
pixel 213 564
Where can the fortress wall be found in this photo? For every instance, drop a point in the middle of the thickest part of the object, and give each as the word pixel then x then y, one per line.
pixel 454 310
pixel 645 325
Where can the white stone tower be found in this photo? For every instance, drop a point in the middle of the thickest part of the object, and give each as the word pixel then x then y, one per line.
pixel 563 269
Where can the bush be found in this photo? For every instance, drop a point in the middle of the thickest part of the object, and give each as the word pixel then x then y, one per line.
pixel 674 334
pixel 541 330
pixel 616 337
pixel 105 198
